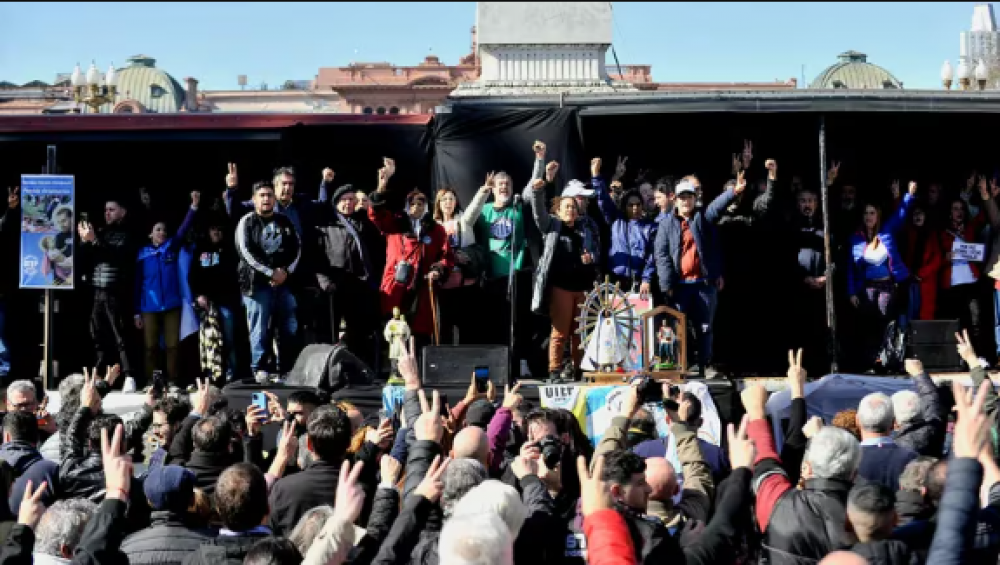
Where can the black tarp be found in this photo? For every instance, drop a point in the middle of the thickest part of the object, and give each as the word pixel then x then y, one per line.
pixel 471 142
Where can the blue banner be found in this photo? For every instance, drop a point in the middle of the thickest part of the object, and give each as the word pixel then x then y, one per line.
pixel 47 231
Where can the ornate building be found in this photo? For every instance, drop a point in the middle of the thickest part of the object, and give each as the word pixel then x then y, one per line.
pixel 852 70
pixel 982 44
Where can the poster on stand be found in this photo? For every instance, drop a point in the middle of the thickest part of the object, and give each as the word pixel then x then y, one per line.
pixel 48 220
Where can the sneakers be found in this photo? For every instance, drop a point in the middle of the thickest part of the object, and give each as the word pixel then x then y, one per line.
pixel 128 385
pixel 555 377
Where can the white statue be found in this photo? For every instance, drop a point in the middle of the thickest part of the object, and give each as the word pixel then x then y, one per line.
pixel 397 333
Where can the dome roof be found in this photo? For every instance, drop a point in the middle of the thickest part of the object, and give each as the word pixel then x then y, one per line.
pixel 154 89
pixel 854 71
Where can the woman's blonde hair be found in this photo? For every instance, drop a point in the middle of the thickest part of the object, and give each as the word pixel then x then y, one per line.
pixel 438 214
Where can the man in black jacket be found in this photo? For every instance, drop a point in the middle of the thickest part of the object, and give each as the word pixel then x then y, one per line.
pixel 269 251
pixel 329 436
pixel 347 246
pixel 111 252
pixel 241 500
pixel 212 438
pixel 20 450
pixel 168 540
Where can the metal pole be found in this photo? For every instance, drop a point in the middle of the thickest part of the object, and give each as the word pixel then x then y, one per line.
pixel 49 305
pixel 831 314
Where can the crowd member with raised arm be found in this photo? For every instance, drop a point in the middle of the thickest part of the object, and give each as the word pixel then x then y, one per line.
pixel 689 261
pixel 460 296
pixel 564 273
pixel 348 256
pixel 630 259
pixel 269 251
pixel 298 207
pixel 111 252
pixel 418 253
pixel 158 298
pixel 876 270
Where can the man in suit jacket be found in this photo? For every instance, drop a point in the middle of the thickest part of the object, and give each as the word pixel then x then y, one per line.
pixel 882 459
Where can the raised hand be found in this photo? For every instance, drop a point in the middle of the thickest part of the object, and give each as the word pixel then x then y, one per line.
pixel 812 427
pixel 971 182
pixel 255 419
pixel 491 391
pixel 432 486
pixel 232 180
pixel 619 169
pixel 537 184
pixel 86 231
pixel 112 374
pixel 390 166
pixel 894 188
pixel 796 375
pixel 117 466
pixel 539 149
pixel 511 398
pixel 550 170
pixel 32 509
pixel 772 168
pixel 965 349
pixel 912 188
pixel 630 400
pixel 972 429
pixel 13 197
pixel 595 166
pixel 754 399
pixel 428 426
pixel 406 364
pixel 328 175
pixel 524 466
pixel 383 180
pixel 595 494
pixel 389 468
pixel 89 396
pixel 747 153
pixel 274 407
pixel 741 448
pixel 350 497
pixel 831 175
pixel 488 185
pixel 381 436
pixel 913 367
pixel 288 442
pixel 741 183
pixel 200 401
pixel 195 199
pixel 737 164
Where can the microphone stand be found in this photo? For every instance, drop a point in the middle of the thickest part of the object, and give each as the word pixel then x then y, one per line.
pixel 512 291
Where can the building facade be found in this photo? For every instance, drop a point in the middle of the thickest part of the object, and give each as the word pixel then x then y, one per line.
pixel 982 43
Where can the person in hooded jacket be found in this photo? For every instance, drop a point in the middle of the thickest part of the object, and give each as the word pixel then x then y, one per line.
pixel 20 451
pixel 158 297
pixel 630 259
pixel 170 537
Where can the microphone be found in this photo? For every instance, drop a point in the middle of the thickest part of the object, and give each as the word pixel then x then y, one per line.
pixel 517 199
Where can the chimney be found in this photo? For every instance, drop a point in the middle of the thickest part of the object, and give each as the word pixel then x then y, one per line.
pixel 191 96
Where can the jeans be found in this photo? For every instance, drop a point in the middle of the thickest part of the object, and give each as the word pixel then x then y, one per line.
pixel 264 306
pixel 107 329
pixel 4 354
pixel 697 302
pixel 229 337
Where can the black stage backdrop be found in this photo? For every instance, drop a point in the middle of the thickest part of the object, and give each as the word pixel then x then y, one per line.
pixel 471 142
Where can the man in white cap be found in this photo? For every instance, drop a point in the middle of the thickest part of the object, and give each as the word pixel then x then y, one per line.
pixel 689 260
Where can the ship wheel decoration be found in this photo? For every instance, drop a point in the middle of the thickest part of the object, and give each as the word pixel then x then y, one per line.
pixel 606 326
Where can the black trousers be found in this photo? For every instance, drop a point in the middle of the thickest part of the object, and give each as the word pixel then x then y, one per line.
pixel 459 315
pixel 530 331
pixel 107 329
pixel 964 303
pixel 356 305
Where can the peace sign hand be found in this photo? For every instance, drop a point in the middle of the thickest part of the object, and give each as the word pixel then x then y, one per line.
pixel 796 374
pixel 117 465
pixel 200 401
pixel 89 396
pixel 747 153
pixel 511 398
pixel 488 185
pixel 432 486
pixel 350 498
pixel 595 494
pixel 972 429
pixel 31 510
pixel 741 449
pixel 13 197
pixel 741 183
pixel 984 188
pixel 619 168
pixel 894 188
pixel 965 349
pixel 428 426
pixel 912 188
pixel 232 179
pixel 737 164
pixel 406 364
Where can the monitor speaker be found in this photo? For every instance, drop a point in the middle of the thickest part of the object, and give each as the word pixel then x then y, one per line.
pixel 933 343
pixel 329 368
pixel 448 365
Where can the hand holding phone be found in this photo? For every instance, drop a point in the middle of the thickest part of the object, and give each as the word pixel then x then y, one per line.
pixel 259 399
pixel 482 374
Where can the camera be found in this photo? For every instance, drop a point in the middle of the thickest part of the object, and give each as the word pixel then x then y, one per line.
pixel 551 449
pixel 649 391
pixel 669 403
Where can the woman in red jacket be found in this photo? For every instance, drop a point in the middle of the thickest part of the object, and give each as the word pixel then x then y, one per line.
pixel 923 254
pixel 417 254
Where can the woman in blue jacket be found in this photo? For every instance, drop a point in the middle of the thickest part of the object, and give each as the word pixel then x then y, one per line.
pixel 877 269
pixel 158 297
pixel 632 235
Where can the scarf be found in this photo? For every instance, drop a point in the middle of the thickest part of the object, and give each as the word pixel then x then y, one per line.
pixel 211 343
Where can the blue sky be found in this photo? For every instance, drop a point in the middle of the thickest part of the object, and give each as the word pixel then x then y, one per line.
pixel 274 42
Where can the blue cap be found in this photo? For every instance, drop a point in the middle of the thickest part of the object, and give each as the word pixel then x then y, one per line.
pixel 169 488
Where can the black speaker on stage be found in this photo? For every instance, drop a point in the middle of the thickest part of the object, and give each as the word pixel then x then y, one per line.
pixel 454 364
pixel 933 343
pixel 329 368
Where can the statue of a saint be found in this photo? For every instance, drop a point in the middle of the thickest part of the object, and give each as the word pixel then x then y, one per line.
pixel 397 332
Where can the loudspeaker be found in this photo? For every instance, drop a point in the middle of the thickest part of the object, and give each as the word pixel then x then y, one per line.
pixel 933 343
pixel 329 368
pixel 454 364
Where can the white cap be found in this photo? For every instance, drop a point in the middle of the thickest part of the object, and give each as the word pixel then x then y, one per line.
pixel 685 187
pixel 577 188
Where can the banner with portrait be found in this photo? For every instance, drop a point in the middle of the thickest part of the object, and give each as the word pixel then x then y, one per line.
pixel 48 221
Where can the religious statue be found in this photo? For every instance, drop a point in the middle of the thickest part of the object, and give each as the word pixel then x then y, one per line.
pixel 665 345
pixel 397 332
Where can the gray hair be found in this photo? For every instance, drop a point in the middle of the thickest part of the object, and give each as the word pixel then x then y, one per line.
pixel 309 526
pixel 905 406
pixel 476 539
pixel 875 413
pixel 70 384
pixel 62 525
pixel 459 478
pixel 494 496
pixel 914 475
pixel 833 453
pixel 22 386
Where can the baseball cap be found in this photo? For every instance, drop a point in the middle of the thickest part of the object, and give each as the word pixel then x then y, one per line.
pixel 685 187
pixel 577 188
pixel 479 413
pixel 169 488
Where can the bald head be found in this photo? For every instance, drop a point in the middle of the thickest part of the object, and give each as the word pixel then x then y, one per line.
pixel 471 443
pixel 843 558
pixel 662 479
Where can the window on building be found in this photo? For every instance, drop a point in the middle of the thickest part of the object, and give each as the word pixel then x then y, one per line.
pixel 380 111
pixel 394 110
pixel 156 91
pixel 367 110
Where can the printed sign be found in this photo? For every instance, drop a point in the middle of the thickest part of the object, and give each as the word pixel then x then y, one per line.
pixel 558 396
pixel 47 222
pixel 963 251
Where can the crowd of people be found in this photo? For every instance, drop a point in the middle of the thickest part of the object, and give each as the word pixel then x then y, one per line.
pixel 901 480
